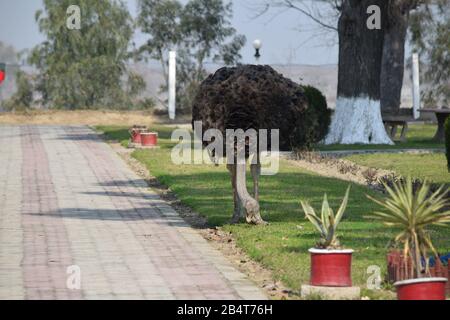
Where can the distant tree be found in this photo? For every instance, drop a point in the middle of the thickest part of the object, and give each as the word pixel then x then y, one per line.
pixel 430 36
pixel 160 19
pixel 200 31
pixel 209 34
pixel 84 68
pixel 22 99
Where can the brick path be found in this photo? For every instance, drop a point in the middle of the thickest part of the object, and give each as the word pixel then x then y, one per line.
pixel 68 201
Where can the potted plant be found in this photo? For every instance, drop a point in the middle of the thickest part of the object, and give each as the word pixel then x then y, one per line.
pixel 412 213
pixel 330 263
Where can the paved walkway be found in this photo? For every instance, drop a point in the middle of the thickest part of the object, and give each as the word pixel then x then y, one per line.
pixel 73 215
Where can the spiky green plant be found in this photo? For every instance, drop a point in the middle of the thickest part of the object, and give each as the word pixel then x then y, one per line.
pixel 328 221
pixel 412 213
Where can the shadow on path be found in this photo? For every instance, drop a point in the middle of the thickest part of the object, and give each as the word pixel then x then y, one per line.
pixel 125 215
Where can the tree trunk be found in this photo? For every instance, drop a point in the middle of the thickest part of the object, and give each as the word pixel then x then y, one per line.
pixel 393 63
pixel 357 118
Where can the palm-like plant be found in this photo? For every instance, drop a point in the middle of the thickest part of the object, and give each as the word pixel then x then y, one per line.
pixel 328 221
pixel 413 212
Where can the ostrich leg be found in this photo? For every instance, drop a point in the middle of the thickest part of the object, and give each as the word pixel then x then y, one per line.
pixel 256 173
pixel 238 208
pixel 251 205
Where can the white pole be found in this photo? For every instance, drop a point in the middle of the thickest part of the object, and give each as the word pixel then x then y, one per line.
pixel 416 85
pixel 172 83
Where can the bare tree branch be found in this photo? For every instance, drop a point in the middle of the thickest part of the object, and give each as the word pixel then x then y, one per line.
pixel 290 4
pixel 302 7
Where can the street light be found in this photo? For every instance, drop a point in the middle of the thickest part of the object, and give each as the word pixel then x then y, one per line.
pixel 257 44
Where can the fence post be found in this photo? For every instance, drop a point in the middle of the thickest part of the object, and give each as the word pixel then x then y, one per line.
pixel 172 84
pixel 416 85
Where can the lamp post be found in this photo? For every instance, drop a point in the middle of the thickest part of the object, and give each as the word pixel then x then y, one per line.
pixel 257 44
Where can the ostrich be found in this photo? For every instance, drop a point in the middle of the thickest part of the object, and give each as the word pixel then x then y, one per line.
pixel 256 97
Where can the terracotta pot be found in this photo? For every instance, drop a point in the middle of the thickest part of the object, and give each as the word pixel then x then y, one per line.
pixel 421 289
pixel 149 139
pixel 331 268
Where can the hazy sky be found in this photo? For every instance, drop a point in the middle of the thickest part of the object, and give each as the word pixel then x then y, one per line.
pixel 283 43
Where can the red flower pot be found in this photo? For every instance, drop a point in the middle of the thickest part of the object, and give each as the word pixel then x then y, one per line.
pixel 149 139
pixel 136 136
pixel 135 133
pixel 421 289
pixel 331 268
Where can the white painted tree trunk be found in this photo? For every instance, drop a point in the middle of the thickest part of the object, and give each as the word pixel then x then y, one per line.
pixel 357 121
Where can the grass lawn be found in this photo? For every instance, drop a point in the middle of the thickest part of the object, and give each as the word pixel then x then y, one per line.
pixel 419 137
pixel 432 167
pixel 283 245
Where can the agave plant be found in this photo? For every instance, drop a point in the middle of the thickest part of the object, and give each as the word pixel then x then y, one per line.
pixel 412 213
pixel 328 222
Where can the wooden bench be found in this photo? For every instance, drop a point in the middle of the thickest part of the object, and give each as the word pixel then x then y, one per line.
pixel 391 123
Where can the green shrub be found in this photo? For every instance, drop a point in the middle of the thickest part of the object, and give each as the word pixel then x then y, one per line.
pixel 22 99
pixel 318 113
pixel 447 142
